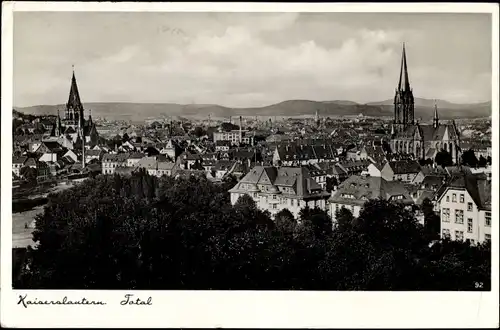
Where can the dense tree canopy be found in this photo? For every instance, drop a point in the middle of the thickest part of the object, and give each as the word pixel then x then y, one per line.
pixel 143 232
pixel 469 158
pixel 443 158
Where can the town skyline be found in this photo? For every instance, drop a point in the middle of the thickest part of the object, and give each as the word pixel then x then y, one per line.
pixel 179 64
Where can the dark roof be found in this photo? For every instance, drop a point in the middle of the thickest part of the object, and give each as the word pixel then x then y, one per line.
pixel 19 160
pixel 363 188
pixel 298 178
pixel 477 185
pixel 405 166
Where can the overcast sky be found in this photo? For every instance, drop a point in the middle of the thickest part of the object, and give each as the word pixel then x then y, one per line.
pixel 247 59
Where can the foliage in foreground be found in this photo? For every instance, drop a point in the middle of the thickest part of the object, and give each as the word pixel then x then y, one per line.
pixel 142 232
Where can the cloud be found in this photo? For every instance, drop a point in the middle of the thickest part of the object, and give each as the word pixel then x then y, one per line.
pixel 235 60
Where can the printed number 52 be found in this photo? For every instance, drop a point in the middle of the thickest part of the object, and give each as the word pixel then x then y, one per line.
pixel 478 285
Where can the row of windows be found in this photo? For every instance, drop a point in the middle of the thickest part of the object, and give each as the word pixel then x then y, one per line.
pixel 454 198
pixel 459 235
pixel 459 217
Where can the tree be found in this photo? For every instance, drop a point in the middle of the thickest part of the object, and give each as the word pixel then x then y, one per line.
pixel 488 160
pixel 482 162
pixel 125 138
pixel 142 232
pixel 469 158
pixel 443 159
pixel 331 183
pixel 285 221
pixel 343 219
pixel 315 221
pixel 199 131
pixel 432 222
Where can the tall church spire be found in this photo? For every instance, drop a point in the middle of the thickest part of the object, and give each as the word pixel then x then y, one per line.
pixel 404 81
pixel 436 117
pixel 74 107
pixel 403 100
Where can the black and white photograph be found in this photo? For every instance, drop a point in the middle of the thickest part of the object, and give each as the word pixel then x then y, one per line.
pixel 250 150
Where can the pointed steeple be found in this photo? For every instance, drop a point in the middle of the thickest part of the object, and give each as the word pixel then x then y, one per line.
pixel 58 124
pixel 404 82
pixel 436 117
pixel 90 118
pixel 74 107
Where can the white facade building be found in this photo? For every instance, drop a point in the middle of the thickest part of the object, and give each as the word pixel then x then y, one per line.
pixel 465 209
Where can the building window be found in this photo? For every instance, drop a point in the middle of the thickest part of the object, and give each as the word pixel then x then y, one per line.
pixel 274 196
pixel 469 207
pixel 275 206
pixel 447 198
pixel 487 237
pixel 462 198
pixel 459 216
pixel 469 225
pixel 446 233
pixel 292 202
pixel 459 235
pixel 446 215
pixel 487 219
pixel 352 209
pixel 454 198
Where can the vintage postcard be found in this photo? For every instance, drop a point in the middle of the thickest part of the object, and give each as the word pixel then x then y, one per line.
pixel 249 165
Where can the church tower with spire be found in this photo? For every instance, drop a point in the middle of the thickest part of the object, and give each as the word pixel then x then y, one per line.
pixel 74 107
pixel 403 100
pixel 435 121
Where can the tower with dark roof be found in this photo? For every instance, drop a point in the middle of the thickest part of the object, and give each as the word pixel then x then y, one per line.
pixel 435 121
pixel 74 107
pixel 403 100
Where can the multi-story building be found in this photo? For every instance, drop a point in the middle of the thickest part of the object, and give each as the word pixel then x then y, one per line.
pixel 111 161
pixel 401 170
pixel 354 192
pixel 17 164
pixel 465 208
pixel 277 188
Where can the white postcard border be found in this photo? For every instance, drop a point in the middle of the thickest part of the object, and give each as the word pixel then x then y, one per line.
pixel 243 308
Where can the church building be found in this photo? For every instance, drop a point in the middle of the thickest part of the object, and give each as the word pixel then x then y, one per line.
pixel 424 141
pixel 74 129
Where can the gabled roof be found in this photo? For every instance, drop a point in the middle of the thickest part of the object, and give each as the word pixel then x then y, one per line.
pixel 115 157
pixel 224 165
pixel 404 166
pixel 298 178
pixel 19 160
pixel 364 188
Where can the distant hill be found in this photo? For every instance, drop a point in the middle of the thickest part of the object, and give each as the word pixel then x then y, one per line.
pixel 424 109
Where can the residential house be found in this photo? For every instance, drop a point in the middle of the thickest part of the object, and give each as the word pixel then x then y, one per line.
pixel 354 192
pixel 277 188
pixel 134 158
pixel 17 164
pixel 222 145
pixel 93 154
pixel 50 151
pixel 465 208
pixel 404 170
pixel 111 161
pixel 354 167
